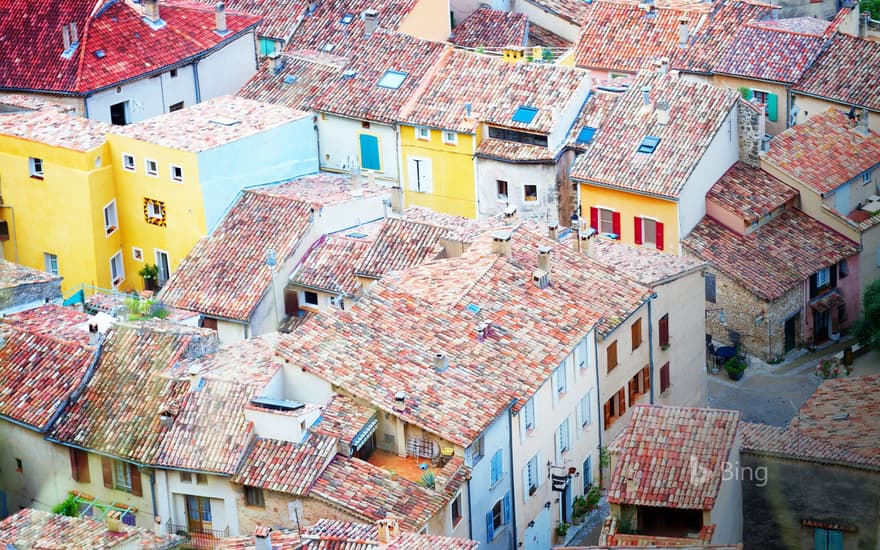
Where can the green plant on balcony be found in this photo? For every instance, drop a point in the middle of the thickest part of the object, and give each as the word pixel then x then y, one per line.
pixel 593 497
pixel 428 480
pixel 579 509
pixel 626 524
pixel 140 309
pixel 735 367
pixel 562 529
pixel 67 507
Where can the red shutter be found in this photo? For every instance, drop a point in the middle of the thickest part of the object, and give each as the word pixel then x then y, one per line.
pixel 607 414
pixel 646 379
pixel 633 389
pixel 621 398
pixel 107 469
pixel 135 480
pixel 594 219
pixel 638 227
pixel 659 236
pixel 615 223
pixel 74 467
pixel 664 377
pixel 664 330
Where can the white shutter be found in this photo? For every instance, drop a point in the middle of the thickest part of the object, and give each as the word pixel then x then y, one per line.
pixel 539 470
pixel 412 178
pixel 525 489
pixel 558 447
pixel 426 173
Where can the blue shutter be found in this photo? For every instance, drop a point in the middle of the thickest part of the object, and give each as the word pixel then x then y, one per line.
pixel 490 526
pixel 772 107
pixel 506 508
pixel 369 152
pixel 835 540
pixel 496 467
pixel 820 538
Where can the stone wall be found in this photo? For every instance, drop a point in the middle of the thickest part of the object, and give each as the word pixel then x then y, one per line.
pixel 751 132
pixel 277 511
pixel 30 293
pixel 797 491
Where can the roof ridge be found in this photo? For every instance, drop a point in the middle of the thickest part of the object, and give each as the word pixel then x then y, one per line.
pixel 47 336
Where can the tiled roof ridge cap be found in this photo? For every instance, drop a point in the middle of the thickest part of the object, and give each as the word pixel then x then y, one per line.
pixel 865 463
pixel 408 107
pixel 754 24
pixel 46 336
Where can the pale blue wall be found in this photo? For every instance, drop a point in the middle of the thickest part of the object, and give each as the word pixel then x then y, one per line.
pixel 282 153
pixel 484 497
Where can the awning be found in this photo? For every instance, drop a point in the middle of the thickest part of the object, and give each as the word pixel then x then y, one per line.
pixel 828 301
pixel 364 434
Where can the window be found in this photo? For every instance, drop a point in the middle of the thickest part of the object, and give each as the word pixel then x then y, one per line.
pixel 664 377
pixel 531 477
pixel 530 193
pixel 827 539
pixel 525 115
pixel 208 322
pixel 501 186
pixel 475 451
pixel 51 263
pixel 649 144
pixel 176 173
pixel 585 409
pixel 455 508
pixel 420 176
pixel 528 413
pixel 648 232
pixel 117 270
pixel 79 465
pixel 560 379
pixel 611 355
pixel 128 163
pixel 152 167
pixel 154 212
pixel 423 133
pixel 253 496
pixel 866 177
pixel 615 407
pixel 346 19
pixel 770 103
pixel 185 477
pixel 580 353
pixel 842 269
pixel 497 517
pixel 823 277
pixel 636 331
pixel 605 222
pixel 19 466
pixel 588 474
pixel 519 137
pixel 639 384
pixel 562 440
pixel 710 287
pixel 35 166
pixel 173 73
pixel 121 476
pixel 175 107
pixel 496 471
pixel 450 138
pixel 111 223
pixel 392 79
pixel 310 298
pixel 201 479
pixel 663 331
pixel 119 113
pixel 365 125
pixel 585 136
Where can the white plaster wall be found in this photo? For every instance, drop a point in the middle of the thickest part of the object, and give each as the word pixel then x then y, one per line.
pixel 222 493
pixel 549 21
pixel 339 143
pixel 569 113
pixel 230 332
pixel 226 70
pixel 300 385
pixel 284 427
pixel 145 98
pixel 727 514
pixel 517 177
pixel 719 156
pixel 350 214
pixel 179 88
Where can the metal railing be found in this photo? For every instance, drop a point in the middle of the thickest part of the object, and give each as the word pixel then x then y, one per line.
pixel 198 538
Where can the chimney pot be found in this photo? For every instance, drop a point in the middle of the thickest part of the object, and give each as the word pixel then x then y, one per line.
pixel 114 521
pixel 262 539
pixel 553 231
pixel 541 278
pixel 220 18
pixel 195 377
pixel 277 62
pixel 544 258
pixel 646 95
pixel 501 243
pixel 441 363
pixel 664 65
pixel 65 36
pixel 356 183
pixel 510 212
pixel 371 21
pixel 94 335
pixel 397 200
pixel 662 111
pixel 74 37
pixel 588 244
pixel 399 401
pixel 151 11
pixel 683 32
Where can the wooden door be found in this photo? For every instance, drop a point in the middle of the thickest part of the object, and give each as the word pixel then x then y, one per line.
pixel 198 514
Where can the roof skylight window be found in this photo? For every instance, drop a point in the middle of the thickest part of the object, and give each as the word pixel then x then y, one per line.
pixel 346 19
pixel 392 79
pixel 586 134
pixel 525 114
pixel 649 144
pixel 289 79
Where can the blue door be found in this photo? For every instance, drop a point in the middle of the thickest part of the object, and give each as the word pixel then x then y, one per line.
pixel 369 152
pixel 3 511
pixel 538 536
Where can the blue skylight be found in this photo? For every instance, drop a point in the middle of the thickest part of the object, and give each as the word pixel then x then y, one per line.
pixel 392 79
pixel 289 79
pixel 649 144
pixel 99 54
pixel 347 18
pixel 356 235
pixel 473 308
pixel 586 134
pixel 525 114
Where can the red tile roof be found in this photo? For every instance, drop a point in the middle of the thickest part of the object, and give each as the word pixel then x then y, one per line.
pixel 844 412
pixel 800 25
pixel 750 193
pixel 31 528
pixel 341 535
pixel 775 257
pixel 659 450
pixel 790 443
pixel 618 36
pixel 493 148
pixel 279 17
pixel 542 37
pixel 491 28
pixel 400 244
pixel 573 11
pixel 824 152
pixel 14 275
pixel 330 265
pixel 296 85
pixel 761 53
pixel 31 43
pixel 343 418
pixel 55 321
pixel 286 467
pixel 41 364
pixel 696 114
pixel 646 265
pixel 56 128
pixel 844 72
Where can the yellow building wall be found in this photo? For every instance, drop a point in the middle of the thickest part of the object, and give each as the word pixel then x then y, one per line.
pixel 61 214
pixel 429 19
pixel 734 83
pixel 631 206
pixel 453 188
pixel 183 202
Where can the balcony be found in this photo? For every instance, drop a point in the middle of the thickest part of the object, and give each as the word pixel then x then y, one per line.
pixel 196 537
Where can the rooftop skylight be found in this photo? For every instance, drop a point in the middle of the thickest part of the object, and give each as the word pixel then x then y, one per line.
pixel 525 114
pixel 346 19
pixel 289 79
pixel 392 79
pixel 649 144
pixel 586 134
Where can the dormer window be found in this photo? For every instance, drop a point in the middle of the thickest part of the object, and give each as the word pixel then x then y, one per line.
pixel 524 114
pixel 649 144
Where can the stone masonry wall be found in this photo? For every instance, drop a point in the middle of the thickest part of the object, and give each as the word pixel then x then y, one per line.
pixel 751 132
pixel 276 513
pixel 36 292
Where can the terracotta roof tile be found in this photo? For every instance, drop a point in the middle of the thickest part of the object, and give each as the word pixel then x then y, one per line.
pixel 31 46
pixel 279 17
pixel 825 151
pixel 514 151
pixel 296 85
pixel 343 418
pixel 14 275
pixel 646 265
pixel 749 192
pixel 42 362
pixel 31 528
pixel 54 128
pixel 762 53
pixel 696 114
pixel 573 11
pixel 656 450
pixel 286 467
pixel 800 25
pixel 210 124
pixel 342 535
pixel 542 37
pixel 791 443
pixel 491 28
pixel 399 245
pixel 16 102
pixel 330 265
pixel 844 412
pixel 592 114
pixel 844 72
pixel 281 539
pixel 461 229
pixel 773 258
pixel 320 189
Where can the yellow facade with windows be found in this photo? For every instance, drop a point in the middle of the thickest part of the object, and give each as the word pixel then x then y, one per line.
pixel 61 213
pixel 448 185
pixel 161 205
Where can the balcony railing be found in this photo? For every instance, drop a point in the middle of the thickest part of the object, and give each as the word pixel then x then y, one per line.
pixel 199 538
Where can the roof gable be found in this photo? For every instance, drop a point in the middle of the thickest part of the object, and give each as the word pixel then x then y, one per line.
pixel 845 72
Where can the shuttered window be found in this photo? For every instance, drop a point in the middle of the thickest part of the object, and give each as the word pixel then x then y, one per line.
pixel 79 465
pixel 664 377
pixel 663 330
pixel 611 355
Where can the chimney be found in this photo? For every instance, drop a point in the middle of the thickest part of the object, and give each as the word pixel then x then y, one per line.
pixel 74 37
pixel 388 530
pixel 399 401
pixel 94 335
pixel 276 62
pixel 553 231
pixel 195 377
pixel 588 243
pixel 544 258
pixel 541 278
pixel 356 184
pixel 646 95
pixel 664 65
pixel 371 21
pixel 863 122
pixel 683 32
pixel 220 18
pixel 262 538
pixel 501 243
pixel 864 18
pixel 510 213
pixel 151 12
pixel 397 200
pixel 441 363
pixel 65 35
pixel 661 109
pixel 165 419
pixel 114 521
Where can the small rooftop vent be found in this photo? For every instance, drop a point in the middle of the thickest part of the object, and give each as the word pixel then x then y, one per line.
pixel 400 401
pixel 222 121
pixel 276 404
pixel 441 362
pixel 99 54
pixel 349 73
pixel 289 79
pixel 541 278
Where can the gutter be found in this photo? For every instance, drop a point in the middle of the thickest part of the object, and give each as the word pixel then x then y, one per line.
pixel 598 404
pixel 651 347
pixel 512 484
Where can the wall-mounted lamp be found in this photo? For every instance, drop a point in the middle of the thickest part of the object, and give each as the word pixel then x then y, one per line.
pixel 531 524
pixel 556 501
pixel 547 504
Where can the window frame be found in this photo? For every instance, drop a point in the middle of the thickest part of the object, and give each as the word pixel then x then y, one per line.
pixel 527 412
pixel 498 186
pixel 450 137
pixel 36 168
pixel 185 477
pixel 608 355
pixel 50 263
pixel 710 282
pixel 496 469
pixel 663 331
pixel 132 167
pixel 585 409
pixel 526 187
pixel 423 133
pixel 560 379
pixel 563 440
pixel 109 228
pixel 636 334
pixel 137 254
pixel 455 508
pixel 116 281
pixel 253 496
pixel 645 240
pixel 665 378
pixel 306 301
pixel 823 273
pixel 121 474
pixel 531 477
pixel 171 169
pixel 601 222
pixel 155 172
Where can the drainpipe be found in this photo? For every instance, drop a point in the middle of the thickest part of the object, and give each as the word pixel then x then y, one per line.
pixel 598 391
pixel 651 346
pixel 512 491
pixel 198 88
pixel 153 493
pixel 470 512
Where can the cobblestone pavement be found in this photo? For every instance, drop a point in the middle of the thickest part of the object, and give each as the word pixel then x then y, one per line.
pixel 588 535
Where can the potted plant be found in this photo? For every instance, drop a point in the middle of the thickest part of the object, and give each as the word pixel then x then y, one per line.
pixel 735 367
pixel 579 509
pixel 593 498
pixel 150 273
pixel 562 530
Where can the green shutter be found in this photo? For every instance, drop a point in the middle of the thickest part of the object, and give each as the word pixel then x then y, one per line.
pixel 772 107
